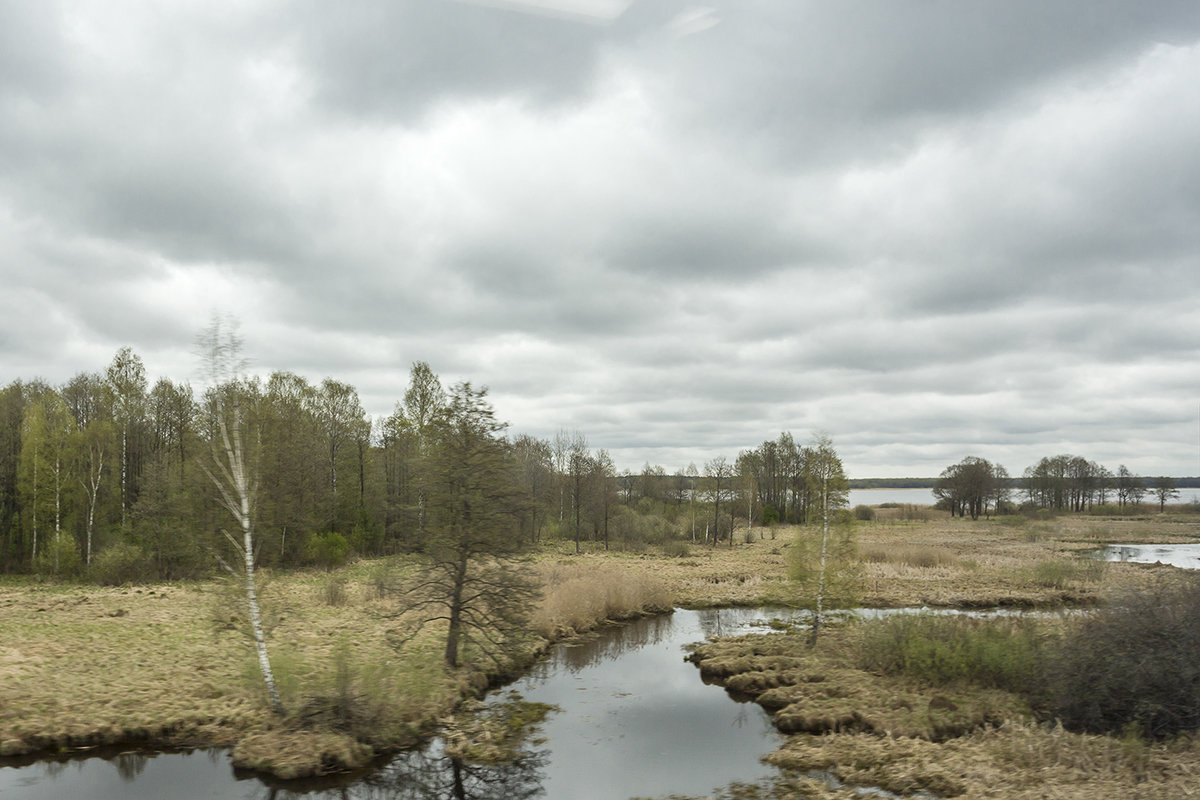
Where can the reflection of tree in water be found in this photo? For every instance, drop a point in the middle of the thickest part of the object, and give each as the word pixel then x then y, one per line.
pixel 607 644
pixel 737 621
pixel 130 765
pixel 430 775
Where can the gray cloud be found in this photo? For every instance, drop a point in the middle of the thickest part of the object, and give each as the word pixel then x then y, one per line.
pixel 932 230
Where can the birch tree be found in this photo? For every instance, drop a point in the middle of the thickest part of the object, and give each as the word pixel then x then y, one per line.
pixel 829 569
pixel 232 474
pixel 126 379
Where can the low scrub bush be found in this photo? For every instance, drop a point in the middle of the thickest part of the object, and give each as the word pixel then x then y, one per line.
pixel 59 558
pixel 940 650
pixel 677 548
pixel 120 564
pixel 1134 666
pixel 864 513
pixel 327 550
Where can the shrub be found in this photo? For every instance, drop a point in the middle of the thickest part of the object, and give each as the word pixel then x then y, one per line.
pixel 770 515
pixel 1134 666
pixel 333 592
pixel 939 650
pixel 120 564
pixel 864 513
pixel 677 548
pixel 60 558
pixel 327 550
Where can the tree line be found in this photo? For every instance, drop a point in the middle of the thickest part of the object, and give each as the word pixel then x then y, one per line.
pixel 108 467
pixel 976 486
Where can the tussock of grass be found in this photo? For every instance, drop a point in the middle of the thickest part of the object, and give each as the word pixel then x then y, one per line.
pixel 1063 573
pixel 1016 760
pixel 912 555
pixel 578 597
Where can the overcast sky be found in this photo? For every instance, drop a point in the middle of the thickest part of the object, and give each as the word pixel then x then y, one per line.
pixel 930 228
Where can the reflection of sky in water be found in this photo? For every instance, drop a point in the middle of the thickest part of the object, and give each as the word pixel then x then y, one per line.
pixel 636 720
pixel 644 723
pixel 1186 556
pixel 202 774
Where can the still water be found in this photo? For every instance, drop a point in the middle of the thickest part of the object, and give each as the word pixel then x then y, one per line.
pixel 1185 556
pixel 636 720
pixel 873 497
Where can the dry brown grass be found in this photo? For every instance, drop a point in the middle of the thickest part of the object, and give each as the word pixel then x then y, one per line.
pixel 578 597
pixel 906 554
pixel 1017 760
pixel 169 665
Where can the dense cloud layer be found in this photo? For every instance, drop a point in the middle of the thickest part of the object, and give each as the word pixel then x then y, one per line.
pixel 930 229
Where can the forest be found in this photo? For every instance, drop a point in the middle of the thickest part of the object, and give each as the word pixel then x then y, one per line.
pixel 106 476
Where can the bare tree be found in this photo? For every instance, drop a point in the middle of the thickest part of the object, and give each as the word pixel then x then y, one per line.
pixel 578 465
pixel 1164 489
pixel 220 349
pixel 720 472
pixel 692 475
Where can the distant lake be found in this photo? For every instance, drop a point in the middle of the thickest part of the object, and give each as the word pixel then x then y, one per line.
pixel 873 497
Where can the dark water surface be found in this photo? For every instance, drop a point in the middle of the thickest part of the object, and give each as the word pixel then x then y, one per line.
pixel 636 720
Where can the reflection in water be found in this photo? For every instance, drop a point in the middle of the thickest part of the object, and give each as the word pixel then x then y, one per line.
pixel 431 775
pixel 130 765
pixel 636 720
pixel 1184 556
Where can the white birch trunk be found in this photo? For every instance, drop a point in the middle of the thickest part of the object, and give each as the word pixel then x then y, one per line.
pixel 35 503
pixel 236 495
pixel 824 542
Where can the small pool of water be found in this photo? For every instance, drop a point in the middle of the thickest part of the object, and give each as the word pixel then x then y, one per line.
pixel 1185 556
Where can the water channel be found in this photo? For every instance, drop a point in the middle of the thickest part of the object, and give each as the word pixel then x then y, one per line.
pixel 636 720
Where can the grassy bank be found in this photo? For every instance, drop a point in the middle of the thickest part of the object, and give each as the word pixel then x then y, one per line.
pixel 168 665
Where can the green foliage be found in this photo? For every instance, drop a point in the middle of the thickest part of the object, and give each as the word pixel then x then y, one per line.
pixel 940 650
pixel 59 558
pixel 864 513
pixel 119 564
pixel 326 550
pixel 770 515
pixel 843 568
pixel 1132 666
pixel 366 540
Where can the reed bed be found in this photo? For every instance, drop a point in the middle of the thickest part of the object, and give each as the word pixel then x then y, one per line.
pixel 578 597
